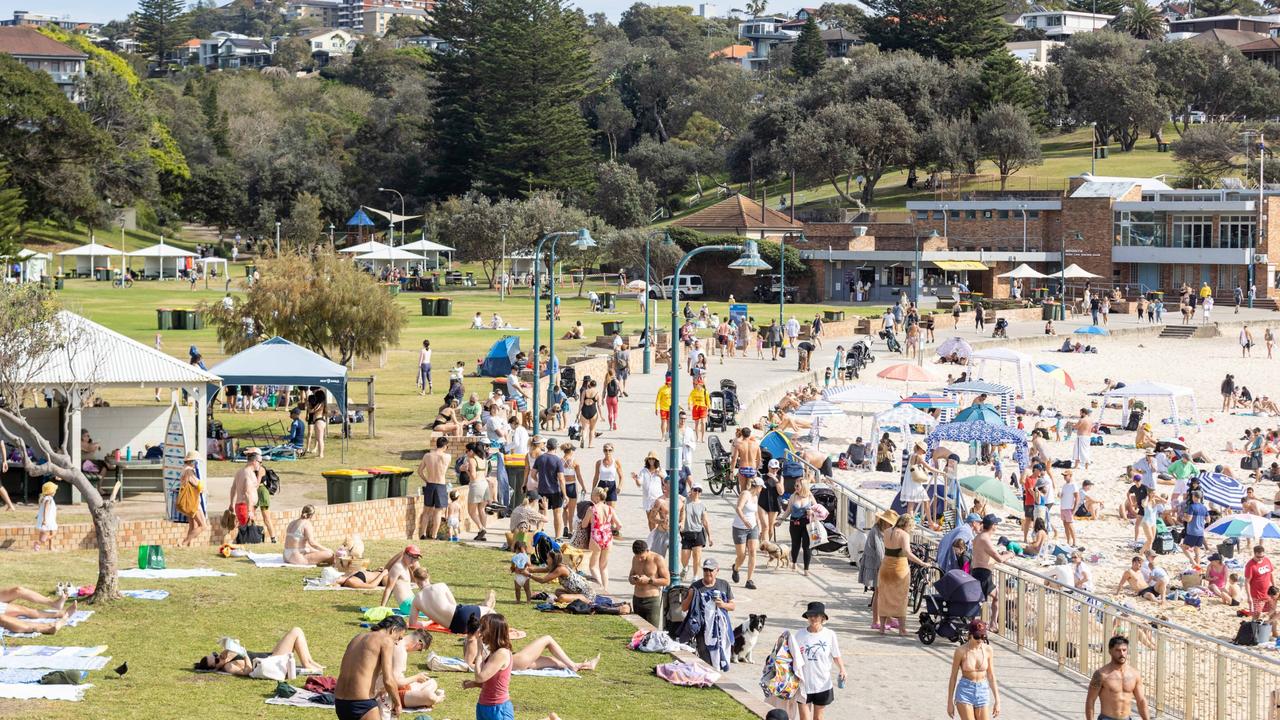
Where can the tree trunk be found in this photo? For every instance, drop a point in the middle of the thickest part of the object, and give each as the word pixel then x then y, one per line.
pixel 105 526
pixel 835 183
pixel 662 129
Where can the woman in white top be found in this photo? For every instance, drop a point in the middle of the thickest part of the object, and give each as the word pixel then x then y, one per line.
pixel 1081 574
pixel 424 368
pixel 572 473
pixel 471 471
pixel 608 474
pixel 915 486
pixel 746 531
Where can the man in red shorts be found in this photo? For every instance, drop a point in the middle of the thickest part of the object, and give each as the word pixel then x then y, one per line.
pixel 244 488
pixel 662 406
pixel 700 403
pixel 1257 574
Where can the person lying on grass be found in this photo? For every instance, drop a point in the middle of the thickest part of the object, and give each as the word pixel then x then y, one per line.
pixel 530 657
pixel 234 662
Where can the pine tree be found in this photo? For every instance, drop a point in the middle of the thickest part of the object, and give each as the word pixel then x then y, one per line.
pixel 1005 80
pixel 11 207
pixel 215 122
pixel 162 25
pixel 944 29
pixel 810 52
pixel 973 29
pixel 509 110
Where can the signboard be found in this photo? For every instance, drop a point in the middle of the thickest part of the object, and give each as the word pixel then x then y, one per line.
pixel 175 449
pixel 737 313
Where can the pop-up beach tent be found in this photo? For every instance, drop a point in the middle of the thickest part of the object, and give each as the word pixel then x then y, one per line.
pixel 498 362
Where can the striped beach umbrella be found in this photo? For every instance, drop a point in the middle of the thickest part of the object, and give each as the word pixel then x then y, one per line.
pixel 1222 490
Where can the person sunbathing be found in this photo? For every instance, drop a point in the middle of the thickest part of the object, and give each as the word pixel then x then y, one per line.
pixel 363 579
pixel 233 662
pixel 573 585
pixel 1216 580
pixel 542 653
pixel 1145 438
pixel 1133 579
pixel 1252 505
pixel 788 423
pixel 437 603
pixel 1266 405
pixel 15 618
pixel 18 592
pixel 418 691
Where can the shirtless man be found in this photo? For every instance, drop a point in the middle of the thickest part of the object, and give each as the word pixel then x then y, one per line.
pixel 1133 578
pixel 745 457
pixel 649 574
pixel 244 488
pixel 368 669
pixel 985 556
pixel 436 601
pixel 416 691
pixel 399 579
pixel 1115 686
pixel 435 493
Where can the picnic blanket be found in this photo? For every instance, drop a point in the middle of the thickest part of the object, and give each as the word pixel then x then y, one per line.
pixel 172 573
pixel 51 657
pixel 272 560
pixel 26 691
pixel 145 594
pixel 302 698
pixel 548 672
pixel 76 618
pixel 25 675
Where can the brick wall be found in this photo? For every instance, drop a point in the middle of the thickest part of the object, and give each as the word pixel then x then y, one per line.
pixel 372 520
pixel 1092 218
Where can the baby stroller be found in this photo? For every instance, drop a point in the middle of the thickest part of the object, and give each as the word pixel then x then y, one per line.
pixel 729 389
pixel 715 414
pixel 948 611
pixel 891 341
pixel 1002 329
pixel 569 381
pixel 859 356
pixel 836 542
pixel 719 474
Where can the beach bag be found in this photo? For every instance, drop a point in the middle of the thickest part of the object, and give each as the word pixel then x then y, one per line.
pixel 817 533
pixel 1095 440
pixel 581 538
pixel 274 667
pixel 1248 463
pixel 63 677
pixel 778 680
pixel 792 469
pixel 272 481
pixel 188 502
pixel 1252 633
pixel 249 535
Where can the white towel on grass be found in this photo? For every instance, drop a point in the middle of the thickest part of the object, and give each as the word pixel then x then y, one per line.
pixel 54 650
pixel 172 573
pixel 76 618
pixel 547 672
pixel 273 560
pixel 145 594
pixel 24 691
pixel 54 662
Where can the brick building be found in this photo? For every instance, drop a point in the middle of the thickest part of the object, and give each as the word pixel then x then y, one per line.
pixel 1137 233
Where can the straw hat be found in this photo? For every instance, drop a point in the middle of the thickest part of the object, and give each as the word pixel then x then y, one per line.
pixel 191 456
pixel 888 516
pixel 252 451
pixel 48 488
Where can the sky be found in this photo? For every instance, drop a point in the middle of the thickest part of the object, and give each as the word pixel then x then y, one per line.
pixel 104 10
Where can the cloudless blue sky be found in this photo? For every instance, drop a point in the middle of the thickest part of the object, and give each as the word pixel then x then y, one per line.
pixel 104 10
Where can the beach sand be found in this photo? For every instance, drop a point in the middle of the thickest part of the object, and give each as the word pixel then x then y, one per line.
pixel 1200 364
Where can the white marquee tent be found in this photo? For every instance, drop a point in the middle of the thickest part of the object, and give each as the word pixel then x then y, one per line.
pixel 162 261
pixel 392 256
pixel 428 249
pixel 365 247
pixel 1023 366
pixel 87 256
pixel 1150 392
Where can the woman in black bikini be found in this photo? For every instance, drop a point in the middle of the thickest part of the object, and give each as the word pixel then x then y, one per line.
pixel 446 420
pixel 589 412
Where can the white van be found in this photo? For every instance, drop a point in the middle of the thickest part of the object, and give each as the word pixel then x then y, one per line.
pixel 690 286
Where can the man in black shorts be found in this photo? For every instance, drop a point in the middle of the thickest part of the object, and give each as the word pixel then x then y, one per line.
pixel 435 493
pixel 986 553
pixel 550 469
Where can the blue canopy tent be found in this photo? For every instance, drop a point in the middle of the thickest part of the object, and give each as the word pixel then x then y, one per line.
pixel 776 444
pixel 978 431
pixel 280 362
pixel 501 356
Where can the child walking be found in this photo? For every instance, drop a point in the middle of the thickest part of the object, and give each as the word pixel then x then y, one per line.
pixel 46 517
pixel 519 571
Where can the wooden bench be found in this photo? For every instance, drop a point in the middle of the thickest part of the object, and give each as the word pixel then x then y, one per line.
pixel 132 479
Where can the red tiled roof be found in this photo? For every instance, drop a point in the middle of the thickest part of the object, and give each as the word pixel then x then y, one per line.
pixel 28 42
pixel 738 212
pixel 1264 45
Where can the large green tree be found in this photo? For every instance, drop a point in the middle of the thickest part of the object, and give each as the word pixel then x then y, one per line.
pixel 945 29
pixel 1005 80
pixel 883 136
pixel 622 199
pixel 1141 21
pixel 1206 153
pixel 821 148
pixel 509 116
pixel 162 26
pixel 810 52
pixel 1110 82
pixel 1007 140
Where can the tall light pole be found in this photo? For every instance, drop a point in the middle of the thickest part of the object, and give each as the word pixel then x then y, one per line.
pixel 502 274
pixel 749 263
pixel 649 336
pixel 946 214
pixel 393 222
pixel 277 238
pixel 1023 208
pixel 1093 144
pixel 782 276
pixel 582 240
pixel 330 236
pixel 915 270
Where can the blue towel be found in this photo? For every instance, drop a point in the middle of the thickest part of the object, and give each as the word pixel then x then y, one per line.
pixel 146 594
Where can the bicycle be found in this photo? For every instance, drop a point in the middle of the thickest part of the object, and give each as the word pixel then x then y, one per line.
pixel 124 282
pixel 922 578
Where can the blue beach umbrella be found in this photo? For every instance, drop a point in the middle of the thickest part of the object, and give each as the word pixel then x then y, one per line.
pixel 1246 526
pixel 1092 330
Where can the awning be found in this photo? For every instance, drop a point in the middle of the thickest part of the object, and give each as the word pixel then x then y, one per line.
pixel 959 265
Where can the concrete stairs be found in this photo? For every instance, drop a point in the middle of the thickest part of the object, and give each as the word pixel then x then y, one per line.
pixel 1179 332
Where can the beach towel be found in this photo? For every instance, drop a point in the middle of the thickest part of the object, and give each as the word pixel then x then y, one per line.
pixel 25 691
pixel 687 674
pixel 15 676
pixel 172 573
pixel 272 560
pixel 444 663
pixel 302 698
pixel 320 584
pixel 53 662
pixel 146 594
pixel 76 618
pixel 548 672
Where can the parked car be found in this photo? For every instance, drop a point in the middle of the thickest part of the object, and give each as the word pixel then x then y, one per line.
pixel 690 287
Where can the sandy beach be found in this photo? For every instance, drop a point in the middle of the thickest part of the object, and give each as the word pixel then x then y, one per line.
pixel 1200 364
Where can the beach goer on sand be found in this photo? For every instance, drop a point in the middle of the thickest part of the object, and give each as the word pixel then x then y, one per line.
pixel 1215 577
pixel 368 670
pixel 1084 431
pixel 973 690
pixel 1258 576
pixel 1194 515
pixel 1115 687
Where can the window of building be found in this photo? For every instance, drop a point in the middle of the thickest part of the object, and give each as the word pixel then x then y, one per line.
pixel 986 215
pixel 1192 231
pixel 1229 276
pixel 955 214
pixel 922 214
pixel 1236 231
pixel 1033 214
pixel 939 215
pixel 971 214
pixel 1143 229
pixel 1004 214
pixel 1053 21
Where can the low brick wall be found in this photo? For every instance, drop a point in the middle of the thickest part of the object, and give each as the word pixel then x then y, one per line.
pixel 372 520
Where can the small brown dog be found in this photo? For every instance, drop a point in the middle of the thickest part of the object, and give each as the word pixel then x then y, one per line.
pixel 777 556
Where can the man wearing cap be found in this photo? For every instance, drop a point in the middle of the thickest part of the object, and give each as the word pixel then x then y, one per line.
pixel 966 532
pixel 707 589
pixel 244 488
pixel 662 405
pixel 399 578
pixel 649 575
pixel 986 554
pixel 820 648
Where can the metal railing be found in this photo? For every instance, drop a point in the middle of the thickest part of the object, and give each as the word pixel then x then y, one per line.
pixel 1184 673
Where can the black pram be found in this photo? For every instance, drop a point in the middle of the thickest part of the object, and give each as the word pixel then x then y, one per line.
pixel 891 341
pixel 729 391
pixel 1002 328
pixel 948 611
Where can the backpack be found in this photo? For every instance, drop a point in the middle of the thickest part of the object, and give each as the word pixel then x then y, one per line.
pixel 271 480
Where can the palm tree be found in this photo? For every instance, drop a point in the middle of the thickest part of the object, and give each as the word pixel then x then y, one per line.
pixel 756 7
pixel 1141 21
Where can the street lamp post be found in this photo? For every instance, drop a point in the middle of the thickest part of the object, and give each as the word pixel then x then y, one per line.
pixel 1023 208
pixel 393 222
pixel 749 263
pixel 277 238
pixel 1093 144
pixel 582 240
pixel 649 336
pixel 502 274
pixel 330 236
pixel 782 276
pixel 915 270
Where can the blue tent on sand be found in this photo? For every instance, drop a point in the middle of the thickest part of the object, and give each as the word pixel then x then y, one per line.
pixel 498 362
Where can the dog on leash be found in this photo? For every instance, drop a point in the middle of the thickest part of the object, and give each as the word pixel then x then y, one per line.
pixel 745 637
pixel 777 556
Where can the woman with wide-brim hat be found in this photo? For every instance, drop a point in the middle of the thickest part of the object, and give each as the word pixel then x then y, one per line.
pixel 190 498
pixel 820 649
pixel 873 556
pixel 894 580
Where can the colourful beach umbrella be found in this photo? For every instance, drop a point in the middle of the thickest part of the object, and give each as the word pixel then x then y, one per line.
pixel 981 412
pixel 1058 374
pixel 929 401
pixel 1092 330
pixel 993 489
pixel 906 372
pixel 1245 525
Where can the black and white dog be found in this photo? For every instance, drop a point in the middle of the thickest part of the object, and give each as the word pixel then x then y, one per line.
pixel 746 636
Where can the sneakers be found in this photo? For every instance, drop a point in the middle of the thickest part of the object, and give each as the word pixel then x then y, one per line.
pixel 750 585
pixel 736 576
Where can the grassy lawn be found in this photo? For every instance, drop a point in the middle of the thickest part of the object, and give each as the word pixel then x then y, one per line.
pixel 401 412
pixel 161 640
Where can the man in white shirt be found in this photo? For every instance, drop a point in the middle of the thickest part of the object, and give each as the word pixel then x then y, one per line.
pixel 793 330
pixel 688 441
pixel 496 427
pixel 518 438
pixel 820 649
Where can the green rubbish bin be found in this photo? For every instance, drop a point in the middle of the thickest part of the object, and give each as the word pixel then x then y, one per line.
pixel 164 319
pixel 606 301
pixel 179 318
pixel 611 327
pixel 378 484
pixel 345 486
pixel 194 319
pixel 428 306
pixel 398 479
pixel 1051 311
pixel 444 307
